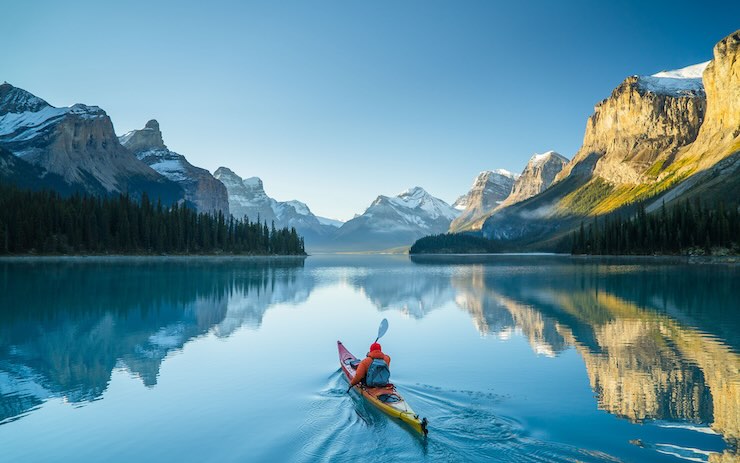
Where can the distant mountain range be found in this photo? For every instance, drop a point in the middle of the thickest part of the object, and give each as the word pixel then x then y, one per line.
pixel 396 221
pixel 661 138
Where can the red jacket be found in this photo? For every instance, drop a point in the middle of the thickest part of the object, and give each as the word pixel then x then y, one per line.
pixel 363 366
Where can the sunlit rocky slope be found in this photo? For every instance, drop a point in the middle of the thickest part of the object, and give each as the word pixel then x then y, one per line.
pixel 672 135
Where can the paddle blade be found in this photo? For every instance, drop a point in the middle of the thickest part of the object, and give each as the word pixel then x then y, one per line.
pixel 382 329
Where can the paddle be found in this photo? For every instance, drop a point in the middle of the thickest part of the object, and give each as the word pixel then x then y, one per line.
pixel 381 331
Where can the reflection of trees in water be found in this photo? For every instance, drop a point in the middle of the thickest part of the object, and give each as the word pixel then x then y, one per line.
pixel 642 361
pixel 65 326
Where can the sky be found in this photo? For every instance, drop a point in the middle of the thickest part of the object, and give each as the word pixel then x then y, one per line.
pixel 336 102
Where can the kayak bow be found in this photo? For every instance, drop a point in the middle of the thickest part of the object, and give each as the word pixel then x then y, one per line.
pixel 385 398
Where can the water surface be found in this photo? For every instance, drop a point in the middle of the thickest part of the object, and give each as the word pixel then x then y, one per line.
pixel 511 358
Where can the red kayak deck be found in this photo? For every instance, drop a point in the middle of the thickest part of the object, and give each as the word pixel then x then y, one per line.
pixel 386 398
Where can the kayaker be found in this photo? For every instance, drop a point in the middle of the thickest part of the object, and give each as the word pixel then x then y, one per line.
pixel 373 363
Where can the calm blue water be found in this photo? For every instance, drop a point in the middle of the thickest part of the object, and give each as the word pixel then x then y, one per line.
pixel 511 358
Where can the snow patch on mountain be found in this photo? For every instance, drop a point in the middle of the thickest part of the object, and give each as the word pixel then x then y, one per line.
pixel 679 82
pixel 173 169
pixel 694 71
pixel 28 124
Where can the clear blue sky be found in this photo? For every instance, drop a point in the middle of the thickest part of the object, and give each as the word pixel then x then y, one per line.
pixel 336 102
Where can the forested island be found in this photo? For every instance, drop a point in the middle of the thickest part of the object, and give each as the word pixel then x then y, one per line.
pixel 45 222
pixel 454 243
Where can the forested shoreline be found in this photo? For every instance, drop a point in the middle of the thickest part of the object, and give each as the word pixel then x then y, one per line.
pixel 46 223
pixel 687 227
pixel 684 228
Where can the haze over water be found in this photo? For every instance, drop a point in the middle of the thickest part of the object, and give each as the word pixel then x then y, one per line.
pixel 511 358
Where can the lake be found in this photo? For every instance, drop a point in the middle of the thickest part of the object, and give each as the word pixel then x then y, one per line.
pixel 511 358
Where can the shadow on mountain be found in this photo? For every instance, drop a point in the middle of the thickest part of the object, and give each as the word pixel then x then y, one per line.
pixel 64 329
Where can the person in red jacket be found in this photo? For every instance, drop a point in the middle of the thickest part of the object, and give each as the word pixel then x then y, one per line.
pixel 375 353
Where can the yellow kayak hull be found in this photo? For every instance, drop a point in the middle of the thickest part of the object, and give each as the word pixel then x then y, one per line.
pixel 386 398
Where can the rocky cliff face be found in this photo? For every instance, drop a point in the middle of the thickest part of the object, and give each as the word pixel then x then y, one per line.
pixel 201 189
pixel 711 164
pixel 537 176
pixel 489 189
pixel 16 171
pixel 645 117
pixel 247 197
pixel 720 133
pixel 78 144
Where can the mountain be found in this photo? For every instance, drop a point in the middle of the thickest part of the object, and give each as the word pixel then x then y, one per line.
pixel 78 144
pixel 201 188
pixel 247 197
pixel 663 137
pixel 537 176
pixel 396 221
pixel 489 189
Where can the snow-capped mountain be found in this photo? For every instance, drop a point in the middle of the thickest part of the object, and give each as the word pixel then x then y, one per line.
pixel 395 221
pixel 201 188
pixel 489 189
pixel 78 144
pixel 247 197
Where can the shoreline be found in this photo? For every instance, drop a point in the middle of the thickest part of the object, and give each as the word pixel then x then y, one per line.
pixel 143 257
pixel 682 259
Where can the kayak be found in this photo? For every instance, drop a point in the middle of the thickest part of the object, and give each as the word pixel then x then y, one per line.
pixel 386 398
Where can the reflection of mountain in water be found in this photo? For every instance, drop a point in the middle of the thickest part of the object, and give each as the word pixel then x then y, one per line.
pixel 659 342
pixel 67 339
pixel 413 293
pixel 498 314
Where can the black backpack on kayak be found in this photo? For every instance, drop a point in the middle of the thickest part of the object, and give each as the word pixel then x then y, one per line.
pixel 378 373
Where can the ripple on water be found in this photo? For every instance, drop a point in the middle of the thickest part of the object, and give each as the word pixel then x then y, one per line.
pixel 464 426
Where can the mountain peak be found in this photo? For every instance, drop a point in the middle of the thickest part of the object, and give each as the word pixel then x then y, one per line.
pixel 146 139
pixel 489 188
pixel 225 172
pixel 254 183
pixel 413 192
pixel 17 100
pixel 538 159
